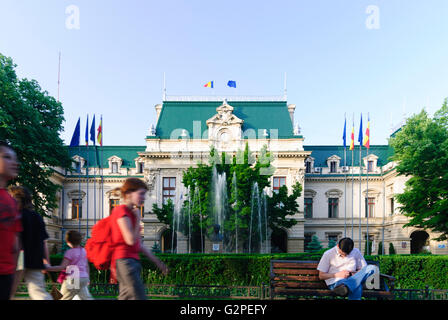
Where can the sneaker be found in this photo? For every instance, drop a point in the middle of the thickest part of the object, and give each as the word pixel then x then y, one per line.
pixel 341 290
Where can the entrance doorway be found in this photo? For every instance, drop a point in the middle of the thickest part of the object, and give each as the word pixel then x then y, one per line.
pixel 419 241
pixel 169 244
pixel 279 241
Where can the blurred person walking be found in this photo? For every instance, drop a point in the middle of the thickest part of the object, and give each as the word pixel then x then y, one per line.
pixel 34 245
pixel 10 224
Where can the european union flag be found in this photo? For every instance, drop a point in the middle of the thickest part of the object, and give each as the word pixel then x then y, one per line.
pixel 231 84
pixel 76 135
pixel 92 131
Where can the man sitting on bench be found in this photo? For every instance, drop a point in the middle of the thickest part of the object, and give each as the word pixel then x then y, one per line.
pixel 344 269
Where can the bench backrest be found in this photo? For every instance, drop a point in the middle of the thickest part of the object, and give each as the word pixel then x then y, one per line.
pixel 298 274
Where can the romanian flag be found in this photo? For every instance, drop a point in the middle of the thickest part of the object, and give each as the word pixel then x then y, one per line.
pixel 366 142
pixel 352 143
pixel 99 137
pixel 209 84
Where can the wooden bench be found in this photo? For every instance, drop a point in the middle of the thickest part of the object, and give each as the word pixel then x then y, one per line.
pixel 295 278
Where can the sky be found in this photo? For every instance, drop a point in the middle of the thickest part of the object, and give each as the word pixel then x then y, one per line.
pixel 384 58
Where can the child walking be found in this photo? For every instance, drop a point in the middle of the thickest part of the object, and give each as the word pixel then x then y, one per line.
pixel 76 257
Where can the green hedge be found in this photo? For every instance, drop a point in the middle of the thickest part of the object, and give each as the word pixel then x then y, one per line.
pixel 416 271
pixel 411 272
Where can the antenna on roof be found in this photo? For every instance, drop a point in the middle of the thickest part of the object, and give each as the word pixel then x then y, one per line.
pixel 285 91
pixel 164 88
pixel 59 73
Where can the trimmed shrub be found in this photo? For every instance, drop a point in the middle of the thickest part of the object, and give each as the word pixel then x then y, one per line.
pixel 410 271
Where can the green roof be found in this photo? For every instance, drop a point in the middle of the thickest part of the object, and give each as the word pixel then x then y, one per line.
pixel 322 153
pixel 257 115
pixel 101 154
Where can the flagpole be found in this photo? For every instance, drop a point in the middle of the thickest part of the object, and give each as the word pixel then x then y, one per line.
pixel 102 172
pixel 360 181
pixel 353 173
pixel 87 175
pixel 345 178
pixel 367 176
pixel 79 189
pixel 94 190
pixel 367 199
pixel 59 73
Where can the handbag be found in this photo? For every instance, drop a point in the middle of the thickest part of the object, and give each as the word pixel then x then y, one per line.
pixel 55 293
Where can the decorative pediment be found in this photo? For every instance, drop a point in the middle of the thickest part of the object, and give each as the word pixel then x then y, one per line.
pixel 115 159
pixel 334 193
pixel 224 128
pixel 224 116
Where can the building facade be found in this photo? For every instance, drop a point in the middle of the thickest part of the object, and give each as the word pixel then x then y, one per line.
pixel 340 197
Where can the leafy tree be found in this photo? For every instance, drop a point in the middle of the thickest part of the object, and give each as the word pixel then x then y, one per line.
pixel 31 121
pixel 392 248
pixel 331 243
pixel 314 245
pixel 242 172
pixel 421 150
pixel 380 248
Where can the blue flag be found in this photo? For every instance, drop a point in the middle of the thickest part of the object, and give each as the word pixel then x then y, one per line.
pixel 360 132
pixel 76 135
pixel 87 131
pixel 92 131
pixel 231 84
pixel 344 134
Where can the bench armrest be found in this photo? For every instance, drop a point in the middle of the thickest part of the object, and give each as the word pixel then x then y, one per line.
pixel 390 279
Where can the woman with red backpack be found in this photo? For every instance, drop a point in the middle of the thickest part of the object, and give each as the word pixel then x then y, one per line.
pixel 127 243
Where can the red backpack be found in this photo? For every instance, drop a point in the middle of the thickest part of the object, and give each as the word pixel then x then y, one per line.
pixel 99 247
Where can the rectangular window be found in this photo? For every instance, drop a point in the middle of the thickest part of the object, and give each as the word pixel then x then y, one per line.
pixel 370 166
pixel 76 209
pixel 333 204
pixel 370 207
pixel 308 207
pixel 113 203
pixel 333 167
pixel 78 167
pixel 392 206
pixel 141 167
pixel 114 167
pixel 307 167
pixel 278 183
pixel 169 189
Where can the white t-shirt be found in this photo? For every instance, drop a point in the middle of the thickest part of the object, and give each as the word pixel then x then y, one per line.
pixel 332 262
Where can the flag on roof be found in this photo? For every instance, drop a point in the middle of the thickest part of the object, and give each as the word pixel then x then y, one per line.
pixel 360 132
pixel 366 142
pixel 76 135
pixel 92 131
pixel 100 132
pixel 231 84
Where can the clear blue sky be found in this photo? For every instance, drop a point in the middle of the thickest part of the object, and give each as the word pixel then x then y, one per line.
pixel 114 63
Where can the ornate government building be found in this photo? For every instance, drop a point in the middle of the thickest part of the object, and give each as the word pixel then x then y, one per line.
pixel 187 127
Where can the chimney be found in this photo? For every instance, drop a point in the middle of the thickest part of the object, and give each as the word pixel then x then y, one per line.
pixel 158 110
pixel 291 108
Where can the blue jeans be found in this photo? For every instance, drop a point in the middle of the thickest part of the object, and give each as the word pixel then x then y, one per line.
pixel 355 282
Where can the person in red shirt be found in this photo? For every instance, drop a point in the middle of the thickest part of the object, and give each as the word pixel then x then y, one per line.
pixel 10 224
pixel 126 239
